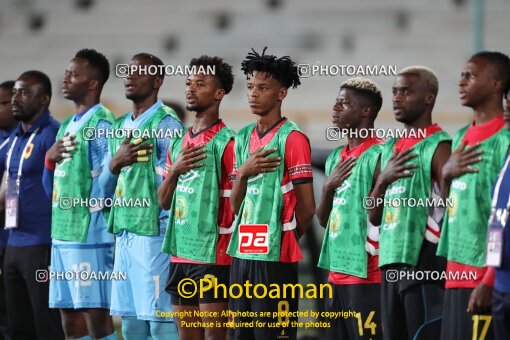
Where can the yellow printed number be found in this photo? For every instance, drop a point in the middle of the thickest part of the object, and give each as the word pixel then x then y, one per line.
pixel 283 312
pixel 210 277
pixel 369 324
pixel 476 321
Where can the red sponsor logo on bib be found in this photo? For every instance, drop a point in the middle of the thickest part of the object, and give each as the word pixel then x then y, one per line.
pixel 253 238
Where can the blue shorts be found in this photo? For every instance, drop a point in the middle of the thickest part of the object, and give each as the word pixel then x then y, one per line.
pixel 92 290
pixel 142 294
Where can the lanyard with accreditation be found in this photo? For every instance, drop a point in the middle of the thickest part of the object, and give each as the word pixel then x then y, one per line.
pixel 497 223
pixel 12 196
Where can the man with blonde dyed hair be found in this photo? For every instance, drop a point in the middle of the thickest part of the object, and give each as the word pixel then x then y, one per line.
pixel 350 245
pixel 411 304
pixel 427 75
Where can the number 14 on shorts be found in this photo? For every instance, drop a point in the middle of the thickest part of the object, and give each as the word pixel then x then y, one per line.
pixel 369 324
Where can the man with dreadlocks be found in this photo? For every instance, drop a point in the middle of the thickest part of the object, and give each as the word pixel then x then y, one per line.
pixel 272 197
pixel 350 248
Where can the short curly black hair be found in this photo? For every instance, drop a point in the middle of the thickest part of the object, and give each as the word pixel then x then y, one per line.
pixel 222 70
pixel 41 78
pixel 97 61
pixel 282 69
pixel 500 64
pixel 7 85
pixel 367 88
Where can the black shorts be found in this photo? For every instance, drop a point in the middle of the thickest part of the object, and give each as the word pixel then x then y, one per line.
pixel 501 314
pixel 458 323
pixel 410 310
pixel 180 271
pixel 266 273
pixel 351 300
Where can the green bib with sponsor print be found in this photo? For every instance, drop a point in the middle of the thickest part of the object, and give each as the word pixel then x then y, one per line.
pixel 403 226
pixel 192 231
pixel 343 247
pixel 73 180
pixel 136 184
pixel 464 234
pixel 263 203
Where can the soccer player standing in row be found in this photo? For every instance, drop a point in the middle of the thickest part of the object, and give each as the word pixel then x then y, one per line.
pixel 272 194
pixel 28 212
pixel 350 246
pixel 73 164
pixel 134 174
pixel 197 186
pixel 411 168
pixel 499 219
pixel 480 150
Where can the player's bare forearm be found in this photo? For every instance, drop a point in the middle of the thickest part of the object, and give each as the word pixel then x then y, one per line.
pixel 445 188
pixel 458 163
pixel 166 190
pixel 325 204
pixel 187 160
pixel 375 214
pixel 257 163
pixel 441 156
pixel 336 178
pixel 238 192
pixel 305 207
pixel 445 183
pixel 107 182
pixel 395 169
pixel 115 166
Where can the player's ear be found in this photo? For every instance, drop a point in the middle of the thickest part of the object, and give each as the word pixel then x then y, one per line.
pixel 45 100
pixel 93 84
pixel 430 98
pixel 219 94
pixel 282 94
pixel 366 112
pixel 158 81
pixel 498 85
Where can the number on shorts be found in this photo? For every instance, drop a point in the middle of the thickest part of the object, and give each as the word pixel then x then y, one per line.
pixel 476 321
pixel 283 312
pixel 82 267
pixel 156 286
pixel 369 324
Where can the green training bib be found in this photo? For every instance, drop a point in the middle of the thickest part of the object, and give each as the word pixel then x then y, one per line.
pixel 403 227
pixel 73 179
pixel 343 247
pixel 192 231
pixel 137 183
pixel 263 203
pixel 464 234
